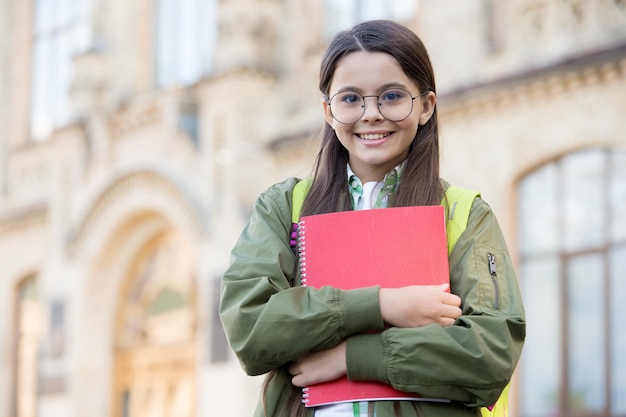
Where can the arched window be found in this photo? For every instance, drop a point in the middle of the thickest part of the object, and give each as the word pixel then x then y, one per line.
pixel 572 232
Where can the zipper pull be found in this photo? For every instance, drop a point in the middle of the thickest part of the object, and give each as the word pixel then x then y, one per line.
pixel 491 260
pixel 492 264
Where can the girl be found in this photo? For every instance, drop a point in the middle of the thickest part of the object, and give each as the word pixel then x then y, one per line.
pixel 379 149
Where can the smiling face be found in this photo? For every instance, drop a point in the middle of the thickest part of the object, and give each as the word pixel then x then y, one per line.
pixel 375 144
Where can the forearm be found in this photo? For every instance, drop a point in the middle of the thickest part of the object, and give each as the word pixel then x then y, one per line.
pixel 441 362
pixel 295 321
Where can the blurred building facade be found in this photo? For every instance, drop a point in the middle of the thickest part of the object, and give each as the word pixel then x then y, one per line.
pixel 136 135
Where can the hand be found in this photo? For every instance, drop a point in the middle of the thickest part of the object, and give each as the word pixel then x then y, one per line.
pixel 317 367
pixel 418 306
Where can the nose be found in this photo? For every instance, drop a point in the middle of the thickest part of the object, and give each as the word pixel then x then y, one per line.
pixel 371 112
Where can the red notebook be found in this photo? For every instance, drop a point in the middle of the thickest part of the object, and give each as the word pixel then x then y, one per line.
pixel 391 247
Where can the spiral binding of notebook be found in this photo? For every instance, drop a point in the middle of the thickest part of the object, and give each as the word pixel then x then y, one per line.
pixel 302 252
pixel 305 395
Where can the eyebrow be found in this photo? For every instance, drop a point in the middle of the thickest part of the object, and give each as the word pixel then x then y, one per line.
pixel 381 88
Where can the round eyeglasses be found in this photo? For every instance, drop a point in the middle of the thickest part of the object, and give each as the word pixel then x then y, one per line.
pixel 394 104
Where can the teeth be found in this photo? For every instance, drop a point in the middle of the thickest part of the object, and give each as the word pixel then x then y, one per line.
pixel 374 136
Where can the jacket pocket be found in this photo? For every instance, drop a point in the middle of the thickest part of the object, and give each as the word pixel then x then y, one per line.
pixel 495 274
pixel 493 271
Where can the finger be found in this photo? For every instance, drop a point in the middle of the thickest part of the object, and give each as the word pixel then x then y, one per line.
pixel 298 381
pixel 451 312
pixel 294 369
pixel 451 299
pixel 445 321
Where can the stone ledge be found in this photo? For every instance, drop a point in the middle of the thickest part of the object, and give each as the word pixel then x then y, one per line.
pixel 569 75
pixel 23 217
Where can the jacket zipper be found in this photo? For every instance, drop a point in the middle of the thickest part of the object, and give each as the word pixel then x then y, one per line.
pixel 491 259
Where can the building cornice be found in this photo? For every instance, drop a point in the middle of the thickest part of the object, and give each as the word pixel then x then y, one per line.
pixel 23 217
pixel 236 73
pixel 568 75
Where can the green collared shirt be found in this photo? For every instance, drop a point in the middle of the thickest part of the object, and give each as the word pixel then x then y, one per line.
pixel 382 189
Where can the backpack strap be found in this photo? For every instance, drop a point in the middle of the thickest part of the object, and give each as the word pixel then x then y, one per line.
pixel 297 198
pixel 501 407
pixel 458 202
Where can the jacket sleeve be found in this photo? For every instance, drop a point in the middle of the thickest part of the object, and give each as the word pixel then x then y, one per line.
pixel 267 321
pixel 473 360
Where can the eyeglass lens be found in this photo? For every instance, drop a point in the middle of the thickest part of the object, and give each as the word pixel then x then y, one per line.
pixel 394 104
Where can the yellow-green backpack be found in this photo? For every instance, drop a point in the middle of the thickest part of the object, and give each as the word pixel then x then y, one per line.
pixel 459 204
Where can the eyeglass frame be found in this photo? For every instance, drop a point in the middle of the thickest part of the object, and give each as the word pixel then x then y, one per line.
pixel 378 104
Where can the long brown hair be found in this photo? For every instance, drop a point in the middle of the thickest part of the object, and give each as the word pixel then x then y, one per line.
pixel 420 184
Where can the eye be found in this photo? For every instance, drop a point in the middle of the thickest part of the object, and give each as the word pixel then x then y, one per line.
pixel 393 95
pixel 350 97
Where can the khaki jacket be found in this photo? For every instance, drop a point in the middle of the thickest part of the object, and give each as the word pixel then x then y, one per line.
pixel 270 322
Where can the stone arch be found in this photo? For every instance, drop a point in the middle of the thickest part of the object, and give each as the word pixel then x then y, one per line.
pixel 134 218
pixel 153 187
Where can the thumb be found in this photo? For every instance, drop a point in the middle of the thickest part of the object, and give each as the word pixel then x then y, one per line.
pixel 444 287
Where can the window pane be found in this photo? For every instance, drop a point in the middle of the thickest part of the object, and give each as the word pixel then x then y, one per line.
pixel 63 12
pixel 373 9
pixel 583 199
pixel 340 15
pixel 61 31
pixel 41 120
pixel 186 37
pixel 167 39
pixel 62 75
pixel 44 16
pixel 618 335
pixel 541 370
pixel 586 341
pixel 198 47
pixel 539 219
pixel 190 47
pixel 618 196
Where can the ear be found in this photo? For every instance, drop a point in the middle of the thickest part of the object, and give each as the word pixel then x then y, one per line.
pixel 429 101
pixel 328 115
